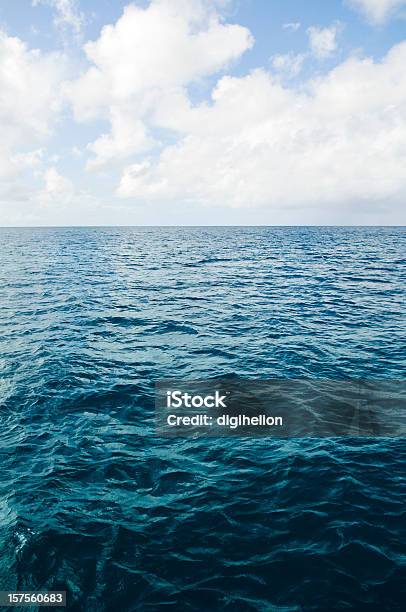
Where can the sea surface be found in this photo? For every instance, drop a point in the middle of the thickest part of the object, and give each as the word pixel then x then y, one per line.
pixel 94 503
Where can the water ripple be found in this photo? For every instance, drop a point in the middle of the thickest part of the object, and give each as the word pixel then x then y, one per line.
pixel 91 501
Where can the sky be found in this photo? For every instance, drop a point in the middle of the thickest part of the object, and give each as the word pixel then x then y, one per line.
pixel 202 112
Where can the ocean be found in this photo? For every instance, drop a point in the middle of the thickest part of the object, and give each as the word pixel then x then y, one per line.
pixel 93 502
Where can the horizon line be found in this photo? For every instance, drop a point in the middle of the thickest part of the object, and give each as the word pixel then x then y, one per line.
pixel 193 226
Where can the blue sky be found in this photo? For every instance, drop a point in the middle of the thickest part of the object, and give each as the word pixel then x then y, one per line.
pixel 265 19
pixel 202 112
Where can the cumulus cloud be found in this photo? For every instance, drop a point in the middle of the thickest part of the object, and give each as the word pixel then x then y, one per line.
pixel 30 102
pixel 29 85
pixel 128 136
pixel 54 201
pixel 338 141
pixel 56 185
pixel 334 141
pixel 323 41
pixel 148 52
pixel 67 14
pixel 377 11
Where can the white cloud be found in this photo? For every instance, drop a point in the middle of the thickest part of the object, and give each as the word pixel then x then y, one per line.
pixel 289 64
pixel 29 85
pixel 323 41
pixel 67 14
pixel 29 104
pixel 293 26
pixel 128 136
pixel 12 164
pixel 338 141
pixel 146 54
pixel 57 188
pixel 331 142
pixel 55 201
pixel 377 11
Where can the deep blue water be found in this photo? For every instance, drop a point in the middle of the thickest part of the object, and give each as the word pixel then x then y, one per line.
pixel 91 501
